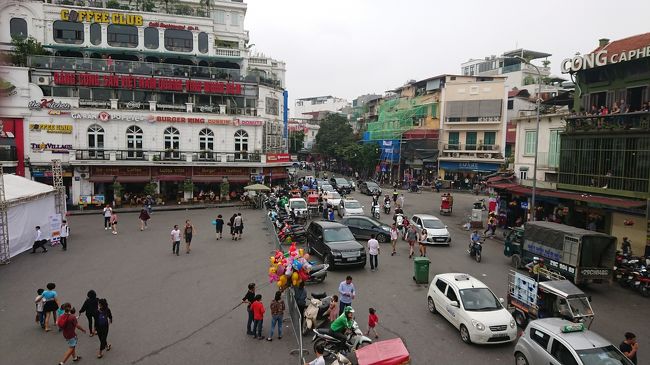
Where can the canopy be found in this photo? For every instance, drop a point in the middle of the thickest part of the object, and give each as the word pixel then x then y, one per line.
pixel 562 288
pixel 18 188
pixel 388 352
pixel 257 187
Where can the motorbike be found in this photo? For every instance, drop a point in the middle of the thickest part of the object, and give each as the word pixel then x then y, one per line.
pixel 475 248
pixel 296 231
pixel 339 359
pixel 414 188
pixel 355 339
pixel 375 211
pixel 387 207
pixel 315 312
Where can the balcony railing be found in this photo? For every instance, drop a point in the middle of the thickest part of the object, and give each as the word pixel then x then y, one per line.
pixel 165 156
pixel 547 160
pixel 612 122
pixel 478 151
pixel 475 120
pixel 133 67
pixel 470 147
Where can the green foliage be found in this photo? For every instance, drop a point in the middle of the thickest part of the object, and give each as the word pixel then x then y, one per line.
pixel 184 9
pixel 334 132
pixel 117 189
pixel 296 140
pixel 362 157
pixel 24 47
pixel 113 4
pixel 188 186
pixel 150 189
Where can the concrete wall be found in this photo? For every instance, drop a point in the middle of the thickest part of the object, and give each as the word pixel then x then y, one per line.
pixel 636 233
pixel 547 124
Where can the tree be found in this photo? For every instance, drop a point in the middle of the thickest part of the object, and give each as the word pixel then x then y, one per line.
pixel 24 47
pixel 167 4
pixel 334 132
pixel 296 141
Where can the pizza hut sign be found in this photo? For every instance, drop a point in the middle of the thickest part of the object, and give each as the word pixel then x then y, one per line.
pixel 48 104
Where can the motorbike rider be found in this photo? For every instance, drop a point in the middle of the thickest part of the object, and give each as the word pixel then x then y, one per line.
pixel 395 195
pixel 534 266
pixel 474 239
pixel 386 199
pixel 342 324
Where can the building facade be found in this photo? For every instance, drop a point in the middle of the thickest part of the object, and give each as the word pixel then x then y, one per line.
pixel 306 106
pixel 131 100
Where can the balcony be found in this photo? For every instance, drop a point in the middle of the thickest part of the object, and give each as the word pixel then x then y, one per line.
pixel 474 120
pixel 547 160
pixel 167 156
pixel 475 151
pixel 636 121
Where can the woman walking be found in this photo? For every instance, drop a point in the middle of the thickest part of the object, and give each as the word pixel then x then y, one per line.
pixel 90 307
pixel 188 232
pixel 144 217
pixel 277 313
pixel 393 238
pixel 231 223
pixel 104 319
pixel 114 222
pixel 411 236
pixel 51 305
pixel 422 240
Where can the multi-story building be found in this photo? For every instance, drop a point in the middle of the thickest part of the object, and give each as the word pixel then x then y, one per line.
pixel 364 111
pixel 164 97
pixel 308 106
pixel 308 127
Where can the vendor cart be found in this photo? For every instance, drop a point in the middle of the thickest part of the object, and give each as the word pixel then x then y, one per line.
pixel 312 203
pixel 446 204
pixel 387 352
pixel 558 297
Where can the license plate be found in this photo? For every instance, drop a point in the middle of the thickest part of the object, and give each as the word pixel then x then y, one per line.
pixel 630 277
pixel 349 254
pixel 500 335
pixel 637 282
pixel 619 276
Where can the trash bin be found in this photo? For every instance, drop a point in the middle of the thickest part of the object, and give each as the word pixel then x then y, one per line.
pixel 421 265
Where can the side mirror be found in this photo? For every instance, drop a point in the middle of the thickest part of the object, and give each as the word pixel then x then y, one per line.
pixel 455 304
pixel 501 300
pixel 446 226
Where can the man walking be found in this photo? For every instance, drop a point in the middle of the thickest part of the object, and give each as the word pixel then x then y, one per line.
pixel 176 239
pixel 373 250
pixel 629 347
pixel 238 225
pixel 65 232
pixel 346 293
pixel 39 242
pixel 108 212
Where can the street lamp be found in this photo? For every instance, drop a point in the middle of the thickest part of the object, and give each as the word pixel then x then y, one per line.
pixel 537 102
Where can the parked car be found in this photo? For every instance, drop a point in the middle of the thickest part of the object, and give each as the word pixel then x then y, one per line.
pixel 298 206
pixel 333 198
pixel 362 227
pixel 349 207
pixel 335 244
pixel 472 308
pixel 327 187
pixel 341 185
pixel 556 341
pixel 437 232
pixel 369 188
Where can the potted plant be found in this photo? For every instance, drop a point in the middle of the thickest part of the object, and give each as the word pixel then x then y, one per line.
pixel 188 190
pixel 117 192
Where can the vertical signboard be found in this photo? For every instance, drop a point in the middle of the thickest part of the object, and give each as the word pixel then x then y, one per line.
pixel 55 229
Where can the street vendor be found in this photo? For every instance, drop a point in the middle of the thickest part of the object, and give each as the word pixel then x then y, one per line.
pixel 343 323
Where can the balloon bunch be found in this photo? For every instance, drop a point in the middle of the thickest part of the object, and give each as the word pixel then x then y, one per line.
pixel 290 267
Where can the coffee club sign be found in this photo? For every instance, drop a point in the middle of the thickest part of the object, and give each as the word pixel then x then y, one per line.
pixel 602 58
pixel 91 16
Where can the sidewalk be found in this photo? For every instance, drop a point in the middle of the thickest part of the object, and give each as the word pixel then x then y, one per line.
pixel 162 208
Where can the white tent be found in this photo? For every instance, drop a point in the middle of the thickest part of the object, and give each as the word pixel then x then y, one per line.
pixel 29 204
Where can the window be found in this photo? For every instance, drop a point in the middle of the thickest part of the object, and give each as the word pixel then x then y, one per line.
pixel 203 42
pixel 151 37
pixel 451 295
pixel 18 28
pixel 470 140
pixel 220 17
pixel 272 106
pixel 206 142
pixel 454 138
pixel 122 35
pixel 241 145
pixel 489 138
pixel 511 104
pixel 562 354
pixel 529 146
pixel 234 19
pixel 95 34
pixel 68 32
pixel 178 40
pixel 441 285
pixel 96 141
pixel 523 175
pixel 554 149
pixel 539 337
pixel 134 142
pixel 172 138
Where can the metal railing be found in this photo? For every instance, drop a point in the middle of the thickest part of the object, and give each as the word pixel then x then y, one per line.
pixel 296 324
pixel 611 122
pixel 470 147
pixel 167 155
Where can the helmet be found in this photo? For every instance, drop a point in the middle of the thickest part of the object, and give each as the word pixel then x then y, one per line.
pixel 348 309
pixel 535 258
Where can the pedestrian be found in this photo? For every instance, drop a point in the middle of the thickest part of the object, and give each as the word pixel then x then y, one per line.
pixel 422 240
pixel 249 298
pixel 90 308
pixel 401 201
pixel 373 251
pixel 68 322
pixel 144 217
pixel 39 301
pixel 231 223
pixel 39 241
pixel 51 304
pixel 277 313
pixel 108 211
pixel 629 347
pixel 319 349
pixel 176 239
pixel 238 224
pixel 188 231
pixel 218 224
pixel 114 222
pixel 411 236
pixel 347 294
pixel 257 307
pixel 393 238
pixel 626 247
pixel 331 215
pixel 104 319
pixel 63 235
pixel 301 297
pixel 372 322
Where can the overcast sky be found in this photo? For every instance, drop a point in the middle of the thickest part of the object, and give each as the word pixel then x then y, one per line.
pixel 347 48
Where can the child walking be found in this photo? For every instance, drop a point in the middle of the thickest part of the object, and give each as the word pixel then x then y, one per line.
pixel 372 322
pixel 277 313
pixel 40 302
pixel 334 308
pixel 68 322
pixel 258 316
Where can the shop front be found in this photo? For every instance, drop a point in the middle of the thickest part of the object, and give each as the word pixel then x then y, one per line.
pixel 172 183
pixel 125 185
pixel 464 174
pixel 275 175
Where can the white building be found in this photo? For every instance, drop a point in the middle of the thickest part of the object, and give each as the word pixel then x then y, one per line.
pixel 141 98
pixel 318 104
pixel 309 129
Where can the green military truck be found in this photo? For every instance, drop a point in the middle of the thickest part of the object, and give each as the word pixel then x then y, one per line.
pixel 579 255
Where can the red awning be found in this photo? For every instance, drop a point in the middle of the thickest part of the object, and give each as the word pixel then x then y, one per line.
pixel 239 178
pixel 207 179
pixel 587 198
pixel 421 134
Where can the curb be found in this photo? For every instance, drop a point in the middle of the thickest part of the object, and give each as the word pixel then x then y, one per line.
pixel 159 208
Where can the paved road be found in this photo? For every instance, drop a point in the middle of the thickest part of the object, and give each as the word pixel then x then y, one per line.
pixel 171 310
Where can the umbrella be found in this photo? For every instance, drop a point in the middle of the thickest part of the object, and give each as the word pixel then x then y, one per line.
pixel 257 187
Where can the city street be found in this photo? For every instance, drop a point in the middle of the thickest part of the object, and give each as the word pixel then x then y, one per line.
pixel 171 310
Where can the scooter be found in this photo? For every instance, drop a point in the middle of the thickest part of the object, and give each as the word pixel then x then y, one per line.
pixel 475 248
pixel 387 207
pixel 339 359
pixel 355 339
pixel 317 273
pixel 375 211
pixel 315 312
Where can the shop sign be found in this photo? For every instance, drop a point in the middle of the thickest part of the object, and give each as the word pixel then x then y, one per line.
pixel 239 122
pixel 85 79
pixel 175 171
pixel 94 103
pixel 468 166
pixel 235 171
pixel 602 58
pixel 172 26
pixel 91 16
pixel 278 157
pixel 51 147
pixel 55 107
pixel 133 105
pixel 120 171
pixel 106 116
pixel 207 171
pixel 51 128
pixel 176 119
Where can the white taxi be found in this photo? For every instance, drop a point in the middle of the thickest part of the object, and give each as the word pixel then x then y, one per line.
pixel 350 207
pixel 472 308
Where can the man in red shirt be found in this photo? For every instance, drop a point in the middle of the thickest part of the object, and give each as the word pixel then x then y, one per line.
pixel 257 307
pixel 68 323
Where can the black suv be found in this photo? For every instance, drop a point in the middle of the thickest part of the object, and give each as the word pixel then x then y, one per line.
pixel 335 244
pixel 341 185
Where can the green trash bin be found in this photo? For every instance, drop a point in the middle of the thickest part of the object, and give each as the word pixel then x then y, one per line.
pixel 421 265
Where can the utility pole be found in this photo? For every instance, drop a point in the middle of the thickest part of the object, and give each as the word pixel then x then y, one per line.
pixel 5 255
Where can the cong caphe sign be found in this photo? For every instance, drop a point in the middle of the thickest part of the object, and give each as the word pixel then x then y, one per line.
pixel 602 58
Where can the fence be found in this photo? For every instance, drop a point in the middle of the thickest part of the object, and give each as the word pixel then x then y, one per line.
pixel 274 235
pixel 296 324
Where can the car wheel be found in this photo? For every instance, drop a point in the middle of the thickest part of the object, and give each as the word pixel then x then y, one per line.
pixel 520 359
pixel 464 334
pixel 516 261
pixel 431 305
pixel 328 259
pixel 382 238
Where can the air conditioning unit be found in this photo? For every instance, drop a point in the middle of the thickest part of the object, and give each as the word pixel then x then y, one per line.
pixel 82 168
pixel 43 80
pixel 83 175
pixel 456 154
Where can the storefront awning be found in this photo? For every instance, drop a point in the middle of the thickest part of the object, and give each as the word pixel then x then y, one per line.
pixel 171 177
pixel 469 166
pixel 593 199
pixel 133 179
pixel 101 179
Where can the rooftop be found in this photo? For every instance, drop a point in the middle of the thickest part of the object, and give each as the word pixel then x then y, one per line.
pixel 626 44
pixel 526 53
